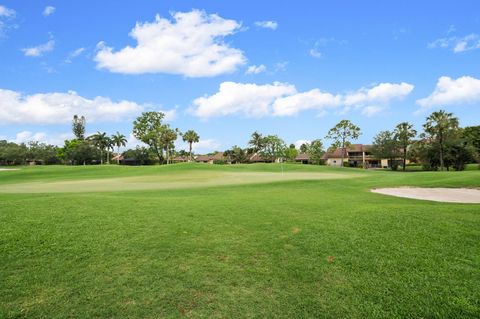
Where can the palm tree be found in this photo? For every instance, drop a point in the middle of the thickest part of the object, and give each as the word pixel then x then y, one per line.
pixel 404 132
pixel 190 137
pixel 440 125
pixel 119 140
pixel 256 141
pixel 168 138
pixel 100 140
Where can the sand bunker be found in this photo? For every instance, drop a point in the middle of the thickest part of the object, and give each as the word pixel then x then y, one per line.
pixel 8 169
pixel 449 195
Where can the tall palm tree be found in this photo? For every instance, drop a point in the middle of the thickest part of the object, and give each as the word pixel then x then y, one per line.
pixel 119 140
pixel 440 126
pixel 190 137
pixel 404 133
pixel 100 140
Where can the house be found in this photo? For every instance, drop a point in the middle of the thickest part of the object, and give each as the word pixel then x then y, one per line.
pixel 180 159
pixel 357 155
pixel 210 159
pixel 303 158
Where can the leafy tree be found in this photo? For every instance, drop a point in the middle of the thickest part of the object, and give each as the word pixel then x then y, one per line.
pixel 101 141
pixel 315 151
pixel 404 133
pixel 257 141
pixel 342 133
pixel 190 137
pixel 304 147
pixel 148 128
pixel 385 145
pixel 78 151
pixel 439 128
pixel 12 153
pixel 236 155
pixel 273 148
pixel 78 127
pixel 42 152
pixel 291 153
pixel 471 136
pixel 119 140
pixel 141 154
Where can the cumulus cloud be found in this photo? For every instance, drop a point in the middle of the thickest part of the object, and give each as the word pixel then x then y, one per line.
pixel 313 99
pixel 299 143
pixel 238 98
pixel 56 108
pixel 457 44
pixel 48 11
pixel 283 99
pixel 448 91
pixel 256 69
pixel 267 24
pixel 191 45
pixel 39 50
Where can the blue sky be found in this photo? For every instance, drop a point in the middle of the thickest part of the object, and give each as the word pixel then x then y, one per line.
pixel 228 68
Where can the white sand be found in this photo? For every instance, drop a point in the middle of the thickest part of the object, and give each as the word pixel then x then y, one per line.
pixel 450 195
pixel 8 169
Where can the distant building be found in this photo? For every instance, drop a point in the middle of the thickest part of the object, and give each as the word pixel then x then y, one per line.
pixel 358 155
pixel 210 159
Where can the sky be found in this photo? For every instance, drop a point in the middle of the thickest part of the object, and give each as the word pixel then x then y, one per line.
pixel 229 68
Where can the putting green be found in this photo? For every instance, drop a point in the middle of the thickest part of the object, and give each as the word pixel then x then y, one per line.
pixel 165 181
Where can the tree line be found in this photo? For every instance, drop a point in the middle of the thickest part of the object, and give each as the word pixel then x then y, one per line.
pixel 443 144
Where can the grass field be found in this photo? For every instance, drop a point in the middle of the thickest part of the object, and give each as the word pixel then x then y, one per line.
pixel 244 241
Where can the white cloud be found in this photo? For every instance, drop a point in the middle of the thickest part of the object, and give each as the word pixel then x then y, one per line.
pixel 40 49
pixel 238 98
pixel 6 12
pixel 315 53
pixel 457 44
pixel 27 136
pixel 267 24
pixel 72 55
pixel 281 66
pixel 48 11
pixel 191 45
pixel 282 99
pixel 6 15
pixel 52 108
pixel 372 110
pixel 313 99
pixel 448 91
pixel 256 69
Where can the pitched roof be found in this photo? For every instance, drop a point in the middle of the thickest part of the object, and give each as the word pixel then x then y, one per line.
pixel 207 158
pixel 302 157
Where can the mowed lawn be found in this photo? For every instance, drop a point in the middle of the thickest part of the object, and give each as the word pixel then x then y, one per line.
pixel 236 241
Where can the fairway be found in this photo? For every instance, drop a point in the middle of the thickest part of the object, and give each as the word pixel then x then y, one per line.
pixel 234 241
pixel 166 181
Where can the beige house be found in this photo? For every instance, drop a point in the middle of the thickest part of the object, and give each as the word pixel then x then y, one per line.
pixel 210 159
pixel 357 155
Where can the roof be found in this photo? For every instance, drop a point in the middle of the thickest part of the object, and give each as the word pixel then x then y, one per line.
pixel 206 158
pixel 302 157
pixel 180 159
pixel 256 158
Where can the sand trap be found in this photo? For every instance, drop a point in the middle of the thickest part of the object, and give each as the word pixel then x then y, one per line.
pixel 8 169
pixel 449 195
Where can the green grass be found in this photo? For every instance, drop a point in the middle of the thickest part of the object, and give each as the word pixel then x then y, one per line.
pixel 288 248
